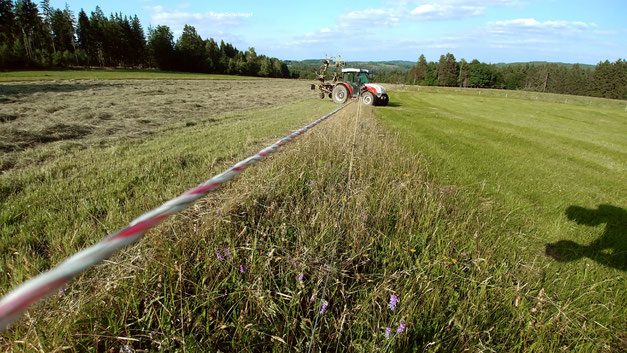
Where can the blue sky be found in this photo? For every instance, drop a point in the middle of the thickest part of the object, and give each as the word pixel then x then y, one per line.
pixel 490 30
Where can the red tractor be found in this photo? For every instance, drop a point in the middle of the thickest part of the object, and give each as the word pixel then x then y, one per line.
pixel 355 83
pixel 351 83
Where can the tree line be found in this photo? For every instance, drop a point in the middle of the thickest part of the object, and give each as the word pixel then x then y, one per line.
pixel 606 79
pixel 40 36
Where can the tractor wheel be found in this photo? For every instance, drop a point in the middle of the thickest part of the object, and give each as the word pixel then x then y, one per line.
pixel 340 94
pixel 368 98
pixel 384 100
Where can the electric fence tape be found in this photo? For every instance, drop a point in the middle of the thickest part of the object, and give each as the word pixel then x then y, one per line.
pixel 17 301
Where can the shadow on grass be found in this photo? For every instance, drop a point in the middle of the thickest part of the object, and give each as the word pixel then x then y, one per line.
pixel 10 89
pixel 394 104
pixel 610 249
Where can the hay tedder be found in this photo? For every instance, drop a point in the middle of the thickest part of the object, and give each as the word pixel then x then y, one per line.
pixel 347 83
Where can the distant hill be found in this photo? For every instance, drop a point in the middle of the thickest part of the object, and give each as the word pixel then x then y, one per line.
pixel 375 66
pixel 540 63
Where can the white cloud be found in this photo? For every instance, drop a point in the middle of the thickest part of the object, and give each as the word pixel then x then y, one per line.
pixel 341 37
pixel 607 32
pixel 531 26
pixel 432 10
pixel 423 9
pixel 372 23
pixel 369 17
pixel 446 11
pixel 207 24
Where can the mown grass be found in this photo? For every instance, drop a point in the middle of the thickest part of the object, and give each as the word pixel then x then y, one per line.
pixel 555 165
pixel 112 74
pixel 39 120
pixel 360 210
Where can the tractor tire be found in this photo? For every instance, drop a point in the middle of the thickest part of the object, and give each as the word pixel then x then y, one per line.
pixel 368 98
pixel 340 94
pixel 384 100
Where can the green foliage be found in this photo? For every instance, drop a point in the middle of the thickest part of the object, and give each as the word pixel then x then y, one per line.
pixel 418 72
pixel 8 30
pixel 62 25
pixel 481 75
pixel 448 71
pixel 116 41
pixel 191 50
pixel 6 56
pixel 432 75
pixel 161 46
pixel 610 80
pixel 606 79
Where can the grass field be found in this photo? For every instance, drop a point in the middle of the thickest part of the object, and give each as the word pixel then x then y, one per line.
pixel 555 166
pixel 361 204
pixel 98 74
pixel 539 158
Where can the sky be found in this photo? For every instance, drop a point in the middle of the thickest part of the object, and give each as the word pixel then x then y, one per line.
pixel 493 31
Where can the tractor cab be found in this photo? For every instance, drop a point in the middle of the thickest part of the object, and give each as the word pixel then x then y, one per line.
pixel 355 77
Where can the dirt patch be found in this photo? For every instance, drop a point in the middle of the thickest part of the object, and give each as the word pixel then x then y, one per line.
pixel 103 113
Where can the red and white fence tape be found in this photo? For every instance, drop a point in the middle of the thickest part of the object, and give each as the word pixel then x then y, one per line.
pixel 17 301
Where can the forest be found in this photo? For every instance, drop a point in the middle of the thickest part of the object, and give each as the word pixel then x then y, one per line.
pixel 606 79
pixel 40 36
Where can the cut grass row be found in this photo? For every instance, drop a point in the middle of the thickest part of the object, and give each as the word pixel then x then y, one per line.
pixel 81 114
pixel 117 74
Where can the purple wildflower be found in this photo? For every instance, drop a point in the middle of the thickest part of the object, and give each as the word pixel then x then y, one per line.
pixel 313 298
pixel 300 277
pixel 313 182
pixel 393 302
pixel 226 251
pixel 323 307
pixel 387 332
pixel 62 290
pixel 401 327
pixel 219 256
pixel 242 269
pixel 328 165
pixel 218 212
